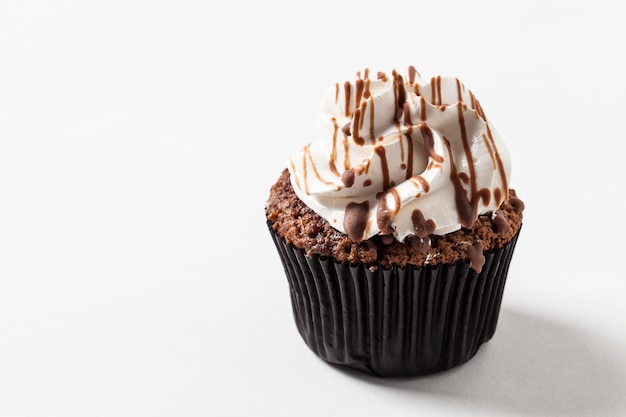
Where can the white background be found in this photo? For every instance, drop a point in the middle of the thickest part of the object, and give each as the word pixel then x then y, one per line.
pixel 138 142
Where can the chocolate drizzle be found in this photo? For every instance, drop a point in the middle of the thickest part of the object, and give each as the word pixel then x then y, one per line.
pixel 422 227
pixel 357 121
pixel 380 151
pixel 399 94
pixel 421 183
pixel 356 220
pixel 409 152
pixel 360 86
pixel 384 213
pixel 348 177
pixel 406 111
pixel 346 129
pixel 421 245
pixel 429 142
pixel 398 158
pixel 517 204
pixel 476 256
pixel 466 207
pixel 500 222
pixel 435 87
pixel 412 73
pixel 333 153
pixel 459 92
pixel 347 90
pixel 479 110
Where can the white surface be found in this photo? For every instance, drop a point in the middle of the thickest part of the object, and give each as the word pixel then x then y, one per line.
pixel 138 143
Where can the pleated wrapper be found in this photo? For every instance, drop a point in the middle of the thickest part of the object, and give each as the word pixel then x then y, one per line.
pixel 394 322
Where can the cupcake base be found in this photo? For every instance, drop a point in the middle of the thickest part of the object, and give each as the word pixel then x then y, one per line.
pixel 394 322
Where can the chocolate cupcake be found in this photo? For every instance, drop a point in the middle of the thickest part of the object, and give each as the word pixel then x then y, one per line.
pixel 397 226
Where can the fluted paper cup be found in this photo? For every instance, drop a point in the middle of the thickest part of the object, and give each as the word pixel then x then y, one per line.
pixel 394 322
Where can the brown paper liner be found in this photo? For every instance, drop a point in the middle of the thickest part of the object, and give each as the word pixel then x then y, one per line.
pixel 396 322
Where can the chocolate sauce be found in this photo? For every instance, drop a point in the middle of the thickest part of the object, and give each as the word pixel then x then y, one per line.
pixel 348 178
pixel 372 123
pixel 306 156
pixel 347 90
pixel 422 109
pixel 497 195
pixel 359 87
pixel 346 129
pixel 500 222
pixel 479 110
pixel 517 204
pixel 380 151
pixel 356 220
pixel 466 207
pixel 357 123
pixel 333 167
pixel 384 213
pixel 333 153
pixel 459 92
pixel 349 175
pixel 422 227
pixel 400 95
pixel 399 160
pixel 421 182
pixel 409 157
pixel 412 73
pixel 420 244
pixel 429 142
pixel 476 256
pixel 435 89
pixel 406 110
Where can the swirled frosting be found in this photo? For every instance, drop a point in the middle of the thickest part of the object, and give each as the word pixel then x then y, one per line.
pixel 401 155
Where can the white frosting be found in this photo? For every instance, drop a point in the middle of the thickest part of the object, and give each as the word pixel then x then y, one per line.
pixel 418 153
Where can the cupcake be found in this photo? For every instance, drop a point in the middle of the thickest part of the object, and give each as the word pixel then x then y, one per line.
pixel 397 225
